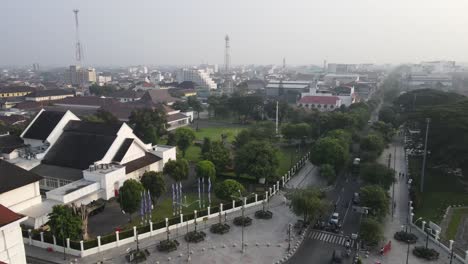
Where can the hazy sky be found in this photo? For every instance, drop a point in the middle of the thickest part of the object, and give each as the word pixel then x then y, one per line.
pixel 115 32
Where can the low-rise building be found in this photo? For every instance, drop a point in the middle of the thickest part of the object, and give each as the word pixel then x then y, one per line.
pixel 15 91
pixel 11 239
pixel 49 95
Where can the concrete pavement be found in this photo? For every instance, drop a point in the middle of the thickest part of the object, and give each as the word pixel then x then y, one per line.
pixel 398 253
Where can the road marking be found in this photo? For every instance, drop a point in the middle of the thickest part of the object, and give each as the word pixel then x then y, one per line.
pixel 329 238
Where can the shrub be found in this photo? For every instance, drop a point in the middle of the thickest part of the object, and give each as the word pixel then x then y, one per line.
pixel 195 236
pixel 220 228
pixel 167 245
pixel 425 253
pixel 242 221
pixel 260 214
pixel 226 189
pixel 405 237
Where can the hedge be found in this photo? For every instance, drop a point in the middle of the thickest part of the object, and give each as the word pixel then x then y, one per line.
pixel 90 244
pixel 108 239
pixel 126 234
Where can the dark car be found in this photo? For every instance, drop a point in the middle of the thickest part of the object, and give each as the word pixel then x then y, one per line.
pixel 337 256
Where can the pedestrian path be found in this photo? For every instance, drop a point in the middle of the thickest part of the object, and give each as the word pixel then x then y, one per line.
pixel 329 237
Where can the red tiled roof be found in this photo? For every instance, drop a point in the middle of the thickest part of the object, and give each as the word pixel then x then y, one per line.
pixel 7 216
pixel 145 84
pixel 328 100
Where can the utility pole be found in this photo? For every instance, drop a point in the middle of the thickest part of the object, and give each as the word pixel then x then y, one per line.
pixel 277 118
pixel 423 170
pixel 393 185
pixel 289 239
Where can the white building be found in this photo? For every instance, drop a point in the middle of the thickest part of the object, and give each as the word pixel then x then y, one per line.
pixel 321 103
pixel 78 76
pixel 346 94
pixel 200 77
pixel 81 161
pixel 11 239
pixel 340 79
pixel 104 79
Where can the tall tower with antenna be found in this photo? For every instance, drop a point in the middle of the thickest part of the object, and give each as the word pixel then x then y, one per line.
pixel 78 50
pixel 227 55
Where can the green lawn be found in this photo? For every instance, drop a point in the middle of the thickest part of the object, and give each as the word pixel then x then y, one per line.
pixel 440 191
pixel 164 208
pixel 457 216
pixel 214 133
pixel 284 155
pixel 193 153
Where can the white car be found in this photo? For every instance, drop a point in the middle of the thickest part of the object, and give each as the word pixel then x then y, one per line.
pixel 335 218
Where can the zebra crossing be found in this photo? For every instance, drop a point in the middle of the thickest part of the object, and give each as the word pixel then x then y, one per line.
pixel 330 238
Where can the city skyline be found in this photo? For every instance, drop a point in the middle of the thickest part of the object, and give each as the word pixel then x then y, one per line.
pixel 122 33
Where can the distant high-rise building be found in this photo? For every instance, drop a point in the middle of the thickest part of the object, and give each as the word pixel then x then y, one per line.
pixel 35 67
pixel 81 76
pixel 200 77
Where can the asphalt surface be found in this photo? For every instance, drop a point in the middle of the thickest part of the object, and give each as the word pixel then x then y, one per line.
pixel 319 248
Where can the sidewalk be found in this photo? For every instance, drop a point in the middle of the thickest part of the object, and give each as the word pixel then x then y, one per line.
pixel 266 239
pixel 398 253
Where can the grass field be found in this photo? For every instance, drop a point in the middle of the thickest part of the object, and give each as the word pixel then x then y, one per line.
pixel 284 155
pixel 193 153
pixel 164 208
pixel 214 133
pixel 440 191
pixel 457 217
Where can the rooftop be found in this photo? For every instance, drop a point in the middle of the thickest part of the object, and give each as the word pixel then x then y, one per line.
pixel 141 162
pixel 86 101
pixel 7 216
pixel 58 172
pixel 53 92
pixel 13 177
pixel 16 89
pixel 8 143
pixel 43 125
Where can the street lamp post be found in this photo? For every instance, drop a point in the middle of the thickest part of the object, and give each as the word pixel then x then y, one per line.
pixel 407 251
pixel 451 251
pixel 419 219
pixel 289 238
pixel 243 214
pixel 423 169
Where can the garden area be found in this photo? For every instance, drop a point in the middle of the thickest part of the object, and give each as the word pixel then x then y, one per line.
pixel 441 190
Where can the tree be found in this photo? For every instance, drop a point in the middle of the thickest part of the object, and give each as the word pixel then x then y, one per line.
pixel 296 131
pixel 388 115
pixel 206 169
pixel 181 105
pixel 386 130
pixel 206 147
pixel 376 198
pixel 154 182
pixel 328 172
pixel 196 105
pixel 102 116
pixel 130 196
pixel 102 90
pixel 329 150
pixel 219 155
pixel 149 124
pixel 228 188
pixel 82 211
pixel 375 173
pixel 177 169
pixel 184 138
pixel 64 223
pixel 258 159
pixel 307 203
pixel 373 142
pixel 371 231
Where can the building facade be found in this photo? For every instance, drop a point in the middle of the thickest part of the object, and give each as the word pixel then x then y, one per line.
pixel 200 77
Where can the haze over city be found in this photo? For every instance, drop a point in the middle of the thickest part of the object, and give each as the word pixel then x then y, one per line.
pixel 262 32
pixel 242 131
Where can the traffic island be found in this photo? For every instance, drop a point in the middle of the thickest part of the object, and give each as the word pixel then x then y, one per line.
pixel 406 237
pixel 426 253
pixel 136 256
pixel 220 228
pixel 242 221
pixel 167 245
pixel 263 214
pixel 195 236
